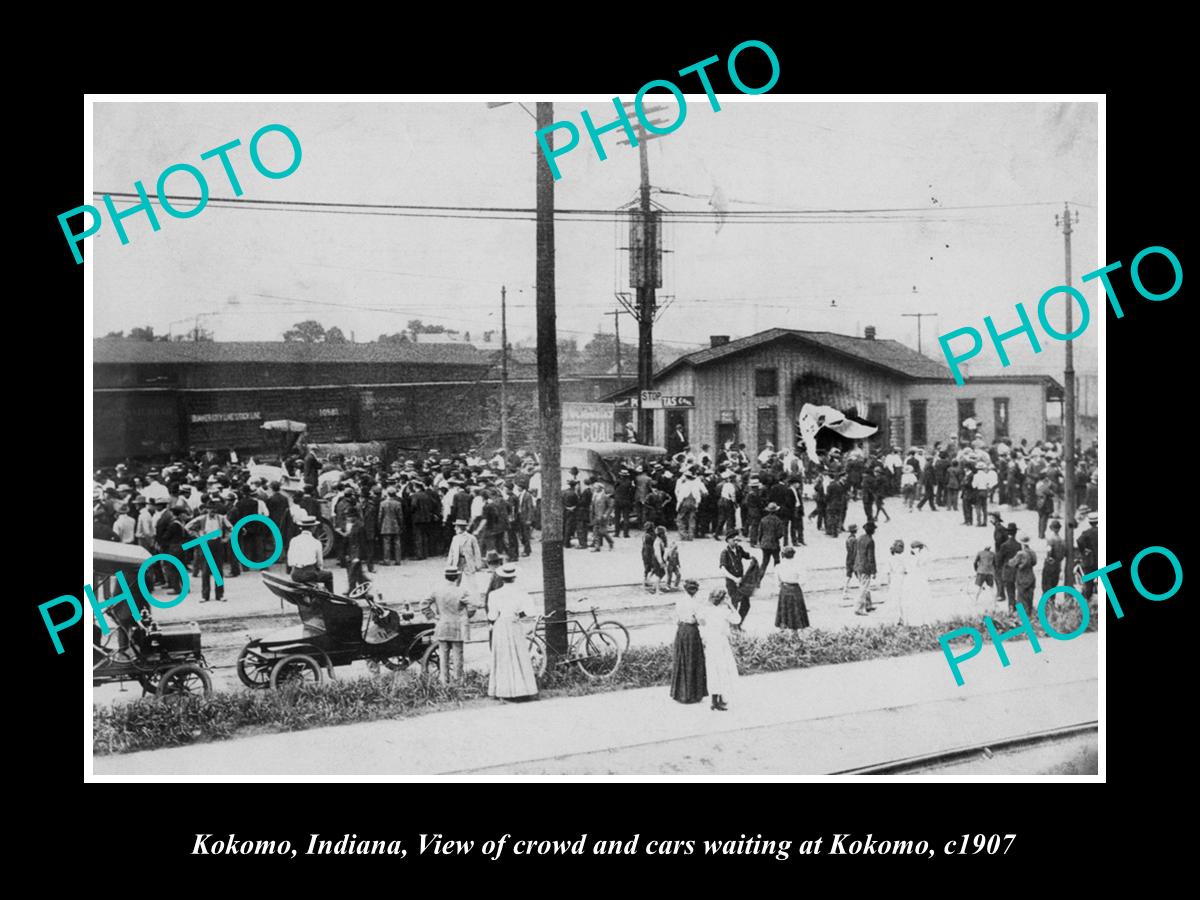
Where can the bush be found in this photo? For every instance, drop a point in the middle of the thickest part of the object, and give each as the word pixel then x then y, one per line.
pixel 148 724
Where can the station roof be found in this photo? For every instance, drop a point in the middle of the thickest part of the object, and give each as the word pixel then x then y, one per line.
pixel 884 354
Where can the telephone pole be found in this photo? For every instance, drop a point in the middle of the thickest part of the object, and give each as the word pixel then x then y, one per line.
pixel 644 273
pixel 503 371
pixel 1068 409
pixel 616 314
pixel 554 583
pixel 918 317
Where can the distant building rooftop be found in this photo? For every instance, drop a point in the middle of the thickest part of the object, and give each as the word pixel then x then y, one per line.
pixel 124 351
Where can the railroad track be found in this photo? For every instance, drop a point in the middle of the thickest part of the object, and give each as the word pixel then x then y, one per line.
pixel 222 644
pixel 932 761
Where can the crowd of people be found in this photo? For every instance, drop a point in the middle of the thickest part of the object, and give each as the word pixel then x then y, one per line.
pixel 479 514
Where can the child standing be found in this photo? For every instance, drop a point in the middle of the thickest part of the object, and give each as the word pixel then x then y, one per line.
pixel 985 570
pixel 672 560
pixel 897 568
pixel 714 618
pixel 908 487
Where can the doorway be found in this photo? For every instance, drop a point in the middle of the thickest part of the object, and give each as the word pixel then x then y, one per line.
pixel 726 431
pixel 678 436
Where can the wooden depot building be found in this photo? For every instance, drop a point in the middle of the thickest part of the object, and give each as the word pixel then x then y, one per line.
pixel 750 390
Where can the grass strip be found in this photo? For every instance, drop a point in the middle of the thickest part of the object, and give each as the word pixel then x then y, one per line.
pixel 150 724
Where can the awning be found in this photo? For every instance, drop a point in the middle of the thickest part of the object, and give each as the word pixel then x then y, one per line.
pixel 285 425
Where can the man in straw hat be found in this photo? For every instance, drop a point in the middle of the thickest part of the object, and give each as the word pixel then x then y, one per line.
pixel 305 558
pixel 464 556
pixel 450 604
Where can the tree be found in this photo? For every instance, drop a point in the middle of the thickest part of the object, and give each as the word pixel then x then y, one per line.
pixel 145 333
pixel 400 337
pixel 335 336
pixel 309 332
pixel 416 326
pixel 115 334
pixel 600 353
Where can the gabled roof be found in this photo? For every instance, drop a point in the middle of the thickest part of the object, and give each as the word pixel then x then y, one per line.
pixel 125 351
pixel 885 354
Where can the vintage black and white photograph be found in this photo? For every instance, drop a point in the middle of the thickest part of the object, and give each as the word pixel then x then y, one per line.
pixel 477 438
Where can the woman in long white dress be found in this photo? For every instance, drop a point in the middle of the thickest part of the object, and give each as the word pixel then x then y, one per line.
pixel 916 585
pixel 512 672
pixel 721 671
pixel 896 572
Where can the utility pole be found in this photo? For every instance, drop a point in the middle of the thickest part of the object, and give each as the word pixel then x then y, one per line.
pixel 503 371
pixel 616 314
pixel 1068 410
pixel 646 299
pixel 645 275
pixel 554 583
pixel 918 317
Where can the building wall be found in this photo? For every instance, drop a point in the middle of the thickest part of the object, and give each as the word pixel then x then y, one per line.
pixel 155 421
pixel 1026 406
pixel 729 385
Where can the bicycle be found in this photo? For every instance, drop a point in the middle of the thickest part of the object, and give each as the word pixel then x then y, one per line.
pixel 595 650
pixel 619 630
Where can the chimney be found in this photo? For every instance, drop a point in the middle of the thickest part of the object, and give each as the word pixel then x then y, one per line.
pixel 869 332
pixel 718 340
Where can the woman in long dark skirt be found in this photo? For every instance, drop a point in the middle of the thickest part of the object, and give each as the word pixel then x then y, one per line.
pixel 688 681
pixel 791 612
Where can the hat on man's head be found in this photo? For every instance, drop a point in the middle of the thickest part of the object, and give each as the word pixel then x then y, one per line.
pixel 731 534
pixel 772 507
pixel 1093 518
pixel 450 571
pixel 462 522
pixel 508 571
pixel 493 558
pixel 306 521
pixel 852 528
pixel 1011 527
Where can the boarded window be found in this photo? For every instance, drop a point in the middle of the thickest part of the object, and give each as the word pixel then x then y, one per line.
pixel 768 427
pixel 766 382
pixel 917 410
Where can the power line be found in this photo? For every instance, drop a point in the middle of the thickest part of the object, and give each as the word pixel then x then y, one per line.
pixel 607 214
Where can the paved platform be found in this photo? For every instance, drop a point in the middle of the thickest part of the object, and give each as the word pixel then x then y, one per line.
pixel 884 709
pixel 950 547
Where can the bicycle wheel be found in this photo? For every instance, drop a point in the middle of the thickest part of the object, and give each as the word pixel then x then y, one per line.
pixel 538 654
pixel 619 631
pixel 598 654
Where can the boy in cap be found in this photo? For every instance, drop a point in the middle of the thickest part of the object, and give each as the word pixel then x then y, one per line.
pixel 985 571
pixel 864 567
pixel 851 555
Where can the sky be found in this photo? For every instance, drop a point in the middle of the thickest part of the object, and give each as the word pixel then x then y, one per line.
pixel 252 273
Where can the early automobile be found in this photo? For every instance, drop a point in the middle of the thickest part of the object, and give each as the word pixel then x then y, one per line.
pixel 334 631
pixel 604 460
pixel 166 660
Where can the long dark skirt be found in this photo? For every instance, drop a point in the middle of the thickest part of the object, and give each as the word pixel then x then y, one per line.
pixel 688 683
pixel 791 613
